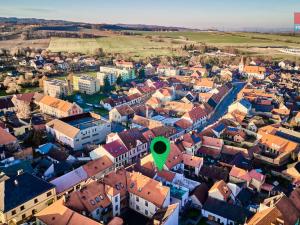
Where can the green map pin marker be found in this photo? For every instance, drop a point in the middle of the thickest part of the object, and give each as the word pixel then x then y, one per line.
pixel 160 149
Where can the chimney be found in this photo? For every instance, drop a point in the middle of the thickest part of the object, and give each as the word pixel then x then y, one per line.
pixel 19 172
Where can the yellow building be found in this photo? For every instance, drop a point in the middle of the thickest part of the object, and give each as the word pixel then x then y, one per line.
pixel 86 84
pixel 23 196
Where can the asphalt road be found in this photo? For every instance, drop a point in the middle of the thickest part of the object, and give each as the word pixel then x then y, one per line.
pixel 222 108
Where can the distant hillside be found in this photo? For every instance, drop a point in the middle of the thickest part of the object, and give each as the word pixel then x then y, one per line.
pixel 60 25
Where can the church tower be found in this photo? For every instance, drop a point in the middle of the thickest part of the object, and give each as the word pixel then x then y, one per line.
pixel 242 65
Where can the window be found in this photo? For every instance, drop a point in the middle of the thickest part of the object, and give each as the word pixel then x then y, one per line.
pixel 146 212
pixel 137 199
pixel 13 212
pixel 137 207
pixel 146 203
pixel 49 193
pixel 116 199
pixel 36 200
pixel 22 207
pixel 116 207
pixel 23 216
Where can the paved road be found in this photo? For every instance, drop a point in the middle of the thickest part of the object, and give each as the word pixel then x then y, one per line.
pixel 223 106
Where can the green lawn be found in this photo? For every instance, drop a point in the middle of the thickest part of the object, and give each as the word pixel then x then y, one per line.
pixel 91 99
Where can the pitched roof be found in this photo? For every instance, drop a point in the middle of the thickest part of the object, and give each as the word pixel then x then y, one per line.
pixel 6 137
pixel 63 128
pixel 195 114
pixel 131 136
pixel 58 214
pixel 90 197
pixel 69 180
pixel 175 157
pixel 20 189
pixel 125 110
pixel 115 148
pixel 96 166
pixel 222 187
pixel 201 192
pixel 162 215
pixel 193 161
pixel 226 210
pixel 56 103
pixel 147 188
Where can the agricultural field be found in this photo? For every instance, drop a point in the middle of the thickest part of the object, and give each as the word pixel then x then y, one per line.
pixel 147 44
pixel 134 46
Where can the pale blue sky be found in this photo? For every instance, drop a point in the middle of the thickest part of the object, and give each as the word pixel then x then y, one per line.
pixel 222 14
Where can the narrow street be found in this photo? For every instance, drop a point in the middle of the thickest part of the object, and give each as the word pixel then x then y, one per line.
pixel 225 103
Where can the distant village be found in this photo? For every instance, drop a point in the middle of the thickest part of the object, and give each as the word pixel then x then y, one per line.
pixel 74 147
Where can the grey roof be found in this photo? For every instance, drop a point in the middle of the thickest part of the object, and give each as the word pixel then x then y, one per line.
pixel 20 189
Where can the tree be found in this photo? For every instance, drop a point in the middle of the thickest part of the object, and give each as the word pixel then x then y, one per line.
pixel 106 86
pixel 13 88
pixel 7 80
pixel 119 80
pixel 142 73
pixel 21 80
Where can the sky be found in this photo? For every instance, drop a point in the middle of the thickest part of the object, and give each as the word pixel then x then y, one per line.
pixel 220 14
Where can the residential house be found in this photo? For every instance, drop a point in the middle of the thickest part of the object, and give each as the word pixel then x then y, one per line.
pixel 110 77
pixel 223 212
pixel 274 149
pixel 69 182
pixel 276 210
pixel 80 130
pixel 166 71
pixel 125 73
pixel 59 214
pixel 86 84
pixel 6 104
pixel 166 216
pixel 134 141
pixel 241 105
pixel 58 108
pixel 24 104
pixel 114 150
pixel 57 88
pixel 121 114
pixel 197 116
pixel 146 195
pixel 203 85
pixel 23 196
pixel 199 195
pixel 211 147
pixel 220 191
pixel 192 164
pixel 8 142
pixel 252 179
pixel 96 200
pixel 99 167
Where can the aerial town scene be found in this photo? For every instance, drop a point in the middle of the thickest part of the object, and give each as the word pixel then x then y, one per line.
pixel 150 112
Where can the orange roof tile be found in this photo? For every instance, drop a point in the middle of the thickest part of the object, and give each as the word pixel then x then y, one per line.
pixel 193 161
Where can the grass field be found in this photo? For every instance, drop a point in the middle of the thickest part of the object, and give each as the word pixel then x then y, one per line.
pixel 147 44
pixel 135 46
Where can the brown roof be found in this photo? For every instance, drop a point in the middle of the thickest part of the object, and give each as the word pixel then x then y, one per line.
pixel 58 214
pixel 96 166
pixel 193 161
pixel 125 110
pixel 147 188
pixel 162 215
pixel 130 137
pixel 201 192
pixel 175 157
pixel 222 187
pixel 63 127
pixel 6 137
pixel 56 103
pixel 89 198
